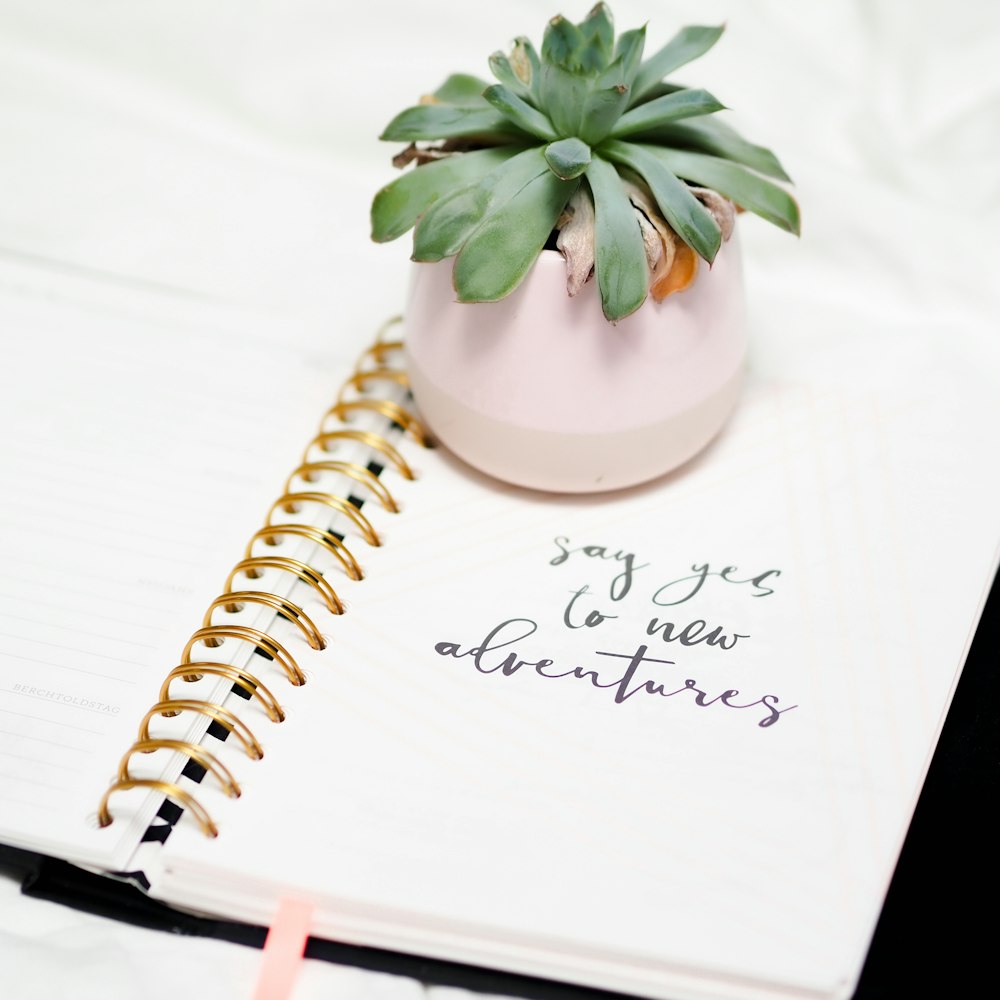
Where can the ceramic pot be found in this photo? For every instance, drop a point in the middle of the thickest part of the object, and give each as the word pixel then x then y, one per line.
pixel 540 390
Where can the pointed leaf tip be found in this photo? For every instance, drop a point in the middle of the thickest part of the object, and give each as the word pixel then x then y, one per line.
pixel 519 112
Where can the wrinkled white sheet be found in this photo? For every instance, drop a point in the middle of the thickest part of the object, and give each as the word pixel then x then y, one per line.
pixel 229 148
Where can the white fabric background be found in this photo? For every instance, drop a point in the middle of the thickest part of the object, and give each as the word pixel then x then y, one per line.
pixel 228 148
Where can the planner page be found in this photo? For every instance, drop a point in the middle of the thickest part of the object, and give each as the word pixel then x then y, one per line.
pixel 665 741
pixel 144 434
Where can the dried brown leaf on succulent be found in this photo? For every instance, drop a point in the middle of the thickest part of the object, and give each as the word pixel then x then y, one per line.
pixel 428 154
pixel 721 209
pixel 520 63
pixel 414 153
pixel 651 240
pixel 576 241
pixel 659 263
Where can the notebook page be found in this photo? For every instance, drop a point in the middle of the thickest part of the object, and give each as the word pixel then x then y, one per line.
pixel 143 439
pixel 481 770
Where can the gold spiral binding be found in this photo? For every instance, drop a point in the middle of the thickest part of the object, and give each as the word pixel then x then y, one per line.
pixel 378 365
pixel 194 751
pixel 375 441
pixel 384 407
pixel 284 607
pixel 254 687
pixel 289 504
pixel 373 360
pixel 358 383
pixel 269 533
pixel 215 635
pixel 217 713
pixel 165 788
pixel 361 475
pixel 253 566
pixel 381 347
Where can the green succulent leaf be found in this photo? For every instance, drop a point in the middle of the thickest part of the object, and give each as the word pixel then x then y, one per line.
pixel 461 89
pixel 686 215
pixel 672 107
pixel 561 43
pixel 619 253
pixel 747 189
pixel 449 222
pixel 503 248
pixel 520 112
pixel 602 110
pixel 709 135
pixel 567 158
pixel 687 45
pixel 628 51
pixel 564 96
pixel 600 24
pixel 661 89
pixel 398 205
pixel 612 76
pixel 527 66
pixel 446 121
pixel 505 72
pixel 446 225
pixel 598 32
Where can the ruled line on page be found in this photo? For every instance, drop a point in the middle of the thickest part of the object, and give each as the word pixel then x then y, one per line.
pixel 103 578
pixel 57 504
pixel 38 718
pixel 66 628
pixel 130 490
pixel 44 763
pixel 26 513
pixel 41 739
pixel 14 800
pixel 35 783
pixel 79 670
pixel 158 553
pixel 62 608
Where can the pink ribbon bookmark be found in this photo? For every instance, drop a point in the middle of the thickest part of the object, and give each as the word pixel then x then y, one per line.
pixel 283 948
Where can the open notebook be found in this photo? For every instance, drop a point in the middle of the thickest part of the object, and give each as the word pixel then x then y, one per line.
pixel 665 742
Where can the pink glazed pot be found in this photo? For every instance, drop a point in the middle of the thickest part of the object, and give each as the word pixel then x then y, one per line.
pixel 540 390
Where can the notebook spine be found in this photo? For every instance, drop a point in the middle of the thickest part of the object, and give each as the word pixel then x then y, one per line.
pixel 379 366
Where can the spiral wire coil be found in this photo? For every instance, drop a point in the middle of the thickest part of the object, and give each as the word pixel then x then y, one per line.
pixel 377 366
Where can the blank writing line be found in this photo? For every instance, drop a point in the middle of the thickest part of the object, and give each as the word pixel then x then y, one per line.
pixel 12 800
pixel 101 545
pixel 115 487
pixel 34 782
pixel 33 760
pixel 38 718
pixel 128 510
pixel 77 574
pixel 51 743
pixel 77 631
pixel 117 529
pixel 117 619
pixel 71 649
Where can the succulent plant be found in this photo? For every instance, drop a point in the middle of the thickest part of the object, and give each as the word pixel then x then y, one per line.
pixel 585 139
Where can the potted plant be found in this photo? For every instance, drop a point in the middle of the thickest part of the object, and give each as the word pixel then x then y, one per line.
pixel 576 315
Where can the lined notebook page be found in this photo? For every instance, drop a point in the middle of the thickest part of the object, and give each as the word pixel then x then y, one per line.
pixel 142 443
